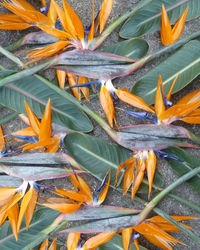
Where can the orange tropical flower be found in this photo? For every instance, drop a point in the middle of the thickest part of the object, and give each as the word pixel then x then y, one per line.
pixel 76 241
pixel 136 166
pixel 44 245
pixel 83 193
pixel 186 109
pixel 153 229
pixel 168 34
pixel 38 135
pixel 73 34
pixel 109 94
pixel 9 198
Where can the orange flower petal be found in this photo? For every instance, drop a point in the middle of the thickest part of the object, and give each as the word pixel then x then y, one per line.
pixel 139 177
pixel 128 178
pixel 189 98
pixel 166 30
pixel 63 207
pixel 59 34
pixel 6 194
pixel 150 167
pixel 45 127
pixel 52 13
pixel 84 90
pixel 53 245
pixel 126 237
pixel 2 140
pixel 171 89
pixel 61 76
pixel 91 33
pixel 159 103
pixel 178 27
pixel 84 188
pixel 72 82
pixel 73 240
pixel 179 110
pixel 103 194
pixel 25 132
pixel 122 165
pixel 47 51
pixel 33 120
pixel 72 195
pixel 107 105
pixel 44 245
pixel 13 213
pixel 31 207
pixel 73 21
pixel 97 240
pixel 125 96
pixel 24 205
pixel 104 13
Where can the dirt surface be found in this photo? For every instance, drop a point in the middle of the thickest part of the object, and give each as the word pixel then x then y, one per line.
pixel 170 206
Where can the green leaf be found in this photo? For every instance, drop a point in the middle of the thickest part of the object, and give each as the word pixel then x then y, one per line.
pixel 147 19
pixel 96 156
pixel 36 93
pixel 181 168
pixel 134 48
pixel 116 243
pixel 185 63
pixel 42 218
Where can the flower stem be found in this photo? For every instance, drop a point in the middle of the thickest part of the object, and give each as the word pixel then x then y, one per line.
pixel 163 193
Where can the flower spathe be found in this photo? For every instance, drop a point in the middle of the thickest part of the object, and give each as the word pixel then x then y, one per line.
pixel 168 34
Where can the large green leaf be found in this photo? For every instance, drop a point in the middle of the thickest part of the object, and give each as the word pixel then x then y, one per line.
pixel 96 156
pixel 42 218
pixel 36 93
pixel 185 63
pixel 181 168
pixel 147 19
pixel 116 243
pixel 134 48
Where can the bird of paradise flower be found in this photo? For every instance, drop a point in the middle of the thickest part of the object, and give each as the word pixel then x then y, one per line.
pixel 168 34
pixel 81 195
pixel 39 134
pixel 153 229
pixel 163 114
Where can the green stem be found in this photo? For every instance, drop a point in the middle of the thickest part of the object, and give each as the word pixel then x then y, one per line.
pixel 11 56
pixel 8 117
pixel 163 193
pixel 98 41
pixel 15 45
pixel 185 202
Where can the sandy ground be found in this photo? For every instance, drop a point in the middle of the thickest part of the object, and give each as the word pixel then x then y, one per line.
pixel 83 8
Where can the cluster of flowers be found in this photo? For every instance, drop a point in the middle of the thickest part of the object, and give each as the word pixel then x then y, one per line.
pixel 68 31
